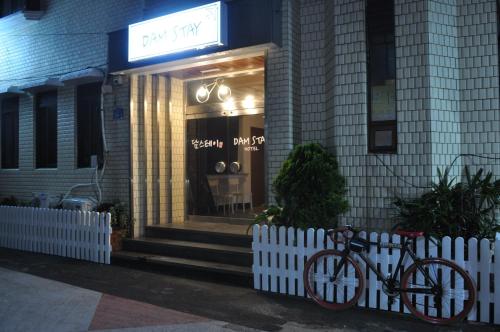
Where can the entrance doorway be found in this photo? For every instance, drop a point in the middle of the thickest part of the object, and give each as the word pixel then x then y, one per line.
pixel 225 144
pixel 197 143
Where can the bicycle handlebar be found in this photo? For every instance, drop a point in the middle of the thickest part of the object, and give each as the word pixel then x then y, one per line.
pixel 347 233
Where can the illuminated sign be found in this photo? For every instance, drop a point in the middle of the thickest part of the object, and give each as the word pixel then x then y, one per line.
pixel 190 29
pixel 200 143
pixel 249 143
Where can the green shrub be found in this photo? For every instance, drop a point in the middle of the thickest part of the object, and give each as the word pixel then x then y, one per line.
pixel 14 201
pixel 119 215
pixel 465 209
pixel 309 190
pixel 9 201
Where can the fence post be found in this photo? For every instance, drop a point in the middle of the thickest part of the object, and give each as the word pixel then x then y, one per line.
pixel 301 254
pixel 273 246
pixel 384 268
pixel 396 254
pixel 496 271
pixel 320 236
pixel 292 252
pixel 102 235
pixel 107 240
pixel 256 248
pixel 265 260
pixel 473 267
pixel 484 291
pixel 373 283
pixel 94 225
pixel 282 258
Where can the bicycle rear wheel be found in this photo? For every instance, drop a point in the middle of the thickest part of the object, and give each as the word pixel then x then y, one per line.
pixel 337 293
pixel 453 291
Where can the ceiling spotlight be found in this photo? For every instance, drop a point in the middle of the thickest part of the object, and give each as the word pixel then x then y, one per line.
pixel 229 105
pixel 223 92
pixel 202 94
pixel 248 102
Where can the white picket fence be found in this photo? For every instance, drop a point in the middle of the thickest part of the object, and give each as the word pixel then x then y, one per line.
pixel 279 256
pixel 67 233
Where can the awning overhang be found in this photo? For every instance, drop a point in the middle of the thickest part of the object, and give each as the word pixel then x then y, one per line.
pixel 11 91
pixel 41 85
pixel 89 75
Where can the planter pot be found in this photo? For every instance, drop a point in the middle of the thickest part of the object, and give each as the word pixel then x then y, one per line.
pixel 116 238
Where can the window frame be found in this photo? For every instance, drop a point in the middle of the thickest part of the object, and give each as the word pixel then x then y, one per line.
pixel 44 163
pixel 374 126
pixel 4 110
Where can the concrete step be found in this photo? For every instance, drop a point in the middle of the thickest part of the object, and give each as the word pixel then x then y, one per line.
pixel 219 253
pixel 185 267
pixel 229 239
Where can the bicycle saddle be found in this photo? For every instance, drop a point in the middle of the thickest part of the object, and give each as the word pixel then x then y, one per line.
pixel 409 234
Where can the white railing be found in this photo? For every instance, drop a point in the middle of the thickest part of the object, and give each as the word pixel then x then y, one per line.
pixel 279 256
pixel 75 234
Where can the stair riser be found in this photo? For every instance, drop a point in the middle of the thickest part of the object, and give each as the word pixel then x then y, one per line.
pixel 225 257
pixel 199 236
pixel 187 271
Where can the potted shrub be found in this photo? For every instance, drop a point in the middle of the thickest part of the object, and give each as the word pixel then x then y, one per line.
pixel 454 208
pixel 309 190
pixel 120 222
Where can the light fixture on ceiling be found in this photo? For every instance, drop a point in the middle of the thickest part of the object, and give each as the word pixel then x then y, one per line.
pixel 229 105
pixel 204 91
pixel 248 102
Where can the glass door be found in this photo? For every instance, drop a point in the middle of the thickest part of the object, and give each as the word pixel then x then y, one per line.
pixel 225 151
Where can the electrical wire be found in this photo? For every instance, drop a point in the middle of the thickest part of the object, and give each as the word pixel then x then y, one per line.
pixel 399 177
pixel 96 177
pixel 452 163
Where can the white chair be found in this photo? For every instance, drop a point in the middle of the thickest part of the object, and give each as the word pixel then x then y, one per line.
pixel 221 197
pixel 239 196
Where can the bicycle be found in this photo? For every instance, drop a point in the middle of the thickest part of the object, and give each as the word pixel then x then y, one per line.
pixel 435 290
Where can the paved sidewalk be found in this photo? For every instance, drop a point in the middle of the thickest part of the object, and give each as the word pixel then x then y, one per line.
pixel 30 303
pixel 188 303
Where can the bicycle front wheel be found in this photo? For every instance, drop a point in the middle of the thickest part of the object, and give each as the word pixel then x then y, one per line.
pixel 333 280
pixel 438 291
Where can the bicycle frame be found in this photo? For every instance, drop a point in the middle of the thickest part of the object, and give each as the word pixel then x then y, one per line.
pixel 388 282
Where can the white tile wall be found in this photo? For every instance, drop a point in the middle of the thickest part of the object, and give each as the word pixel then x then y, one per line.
pixel 72 35
pixel 316 90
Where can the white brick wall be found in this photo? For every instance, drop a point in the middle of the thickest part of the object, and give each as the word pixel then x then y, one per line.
pixel 316 90
pixel 72 35
pixel 312 20
pixel 479 85
pixel 447 95
pixel 283 95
